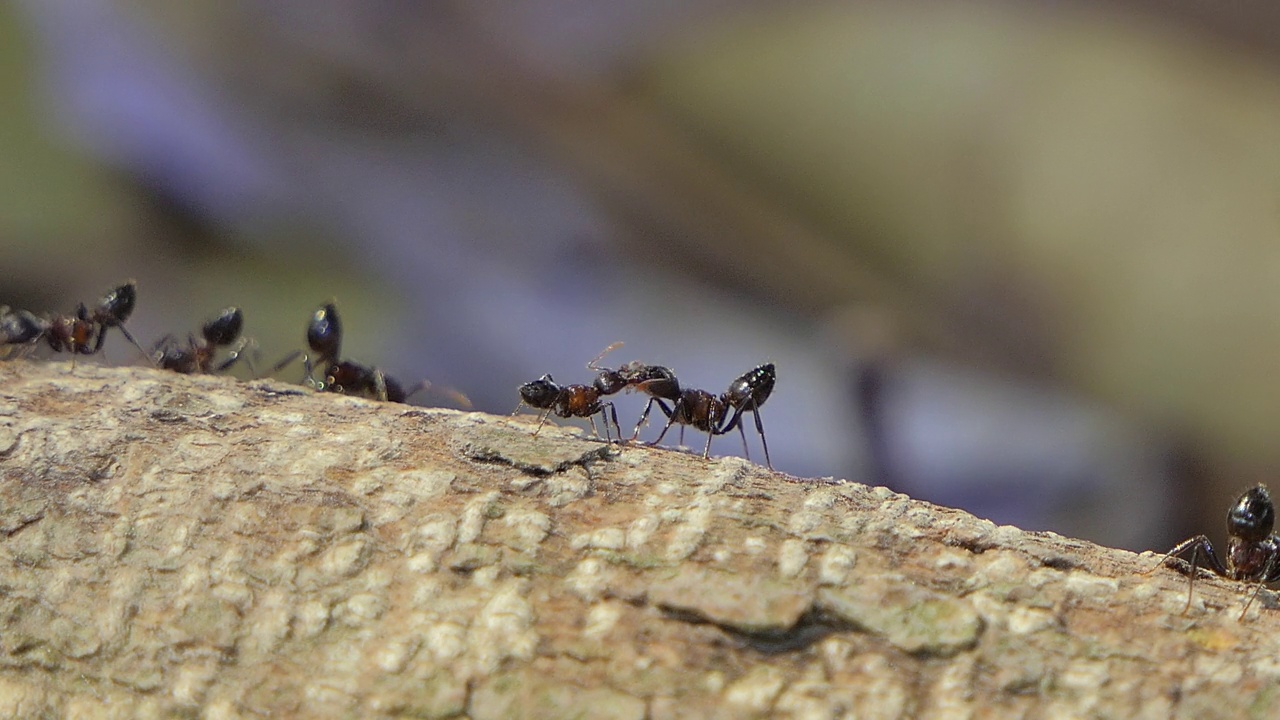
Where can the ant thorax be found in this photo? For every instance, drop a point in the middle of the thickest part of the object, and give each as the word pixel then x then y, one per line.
pixel 1254 561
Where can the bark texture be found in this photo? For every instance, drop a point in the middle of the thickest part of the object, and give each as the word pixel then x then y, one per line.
pixel 196 546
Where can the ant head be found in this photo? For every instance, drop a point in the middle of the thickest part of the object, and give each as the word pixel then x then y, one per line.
pixel 1253 516
pixel 608 382
pixel 658 381
pixel 117 305
pixel 324 334
pixel 637 372
pixel 752 388
pixel 224 329
pixel 21 327
pixel 540 393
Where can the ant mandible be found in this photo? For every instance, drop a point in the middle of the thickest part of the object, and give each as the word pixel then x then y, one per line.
pixel 569 401
pixel 1253 551
pixel 197 357
pixel 81 333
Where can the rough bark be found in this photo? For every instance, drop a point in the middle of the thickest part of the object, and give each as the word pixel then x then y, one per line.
pixel 197 546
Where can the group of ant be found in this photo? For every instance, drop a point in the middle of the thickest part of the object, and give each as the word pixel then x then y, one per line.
pixel 1253 549
pixel 702 410
pixel 84 331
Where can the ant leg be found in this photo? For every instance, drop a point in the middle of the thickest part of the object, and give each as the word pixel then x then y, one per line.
pixel 310 377
pixel 380 384
pixel 1197 545
pixel 1202 543
pixel 1257 589
pixel 286 360
pixel 735 420
pixel 746 453
pixel 541 421
pixel 706 451
pixel 595 431
pixel 645 417
pixel 127 336
pixel 1262 580
pixel 236 356
pixel 671 419
pixel 760 430
pixel 613 413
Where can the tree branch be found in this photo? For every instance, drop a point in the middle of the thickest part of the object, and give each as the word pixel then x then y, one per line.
pixel 195 545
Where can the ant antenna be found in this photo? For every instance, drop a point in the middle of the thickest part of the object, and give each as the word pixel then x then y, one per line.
pixel 594 365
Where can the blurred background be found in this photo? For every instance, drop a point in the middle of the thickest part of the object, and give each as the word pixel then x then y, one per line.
pixel 1017 257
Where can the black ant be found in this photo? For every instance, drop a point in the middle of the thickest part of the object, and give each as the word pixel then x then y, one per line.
pixel 82 333
pixel 569 401
pixel 197 356
pixel 324 338
pixel 710 414
pixel 1253 551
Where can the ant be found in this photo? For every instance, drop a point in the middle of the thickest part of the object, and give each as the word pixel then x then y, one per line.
pixel 1253 551
pixel 82 333
pixel 711 414
pixel 324 337
pixel 197 357
pixel 568 401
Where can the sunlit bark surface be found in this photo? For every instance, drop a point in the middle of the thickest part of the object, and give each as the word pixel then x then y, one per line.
pixel 202 547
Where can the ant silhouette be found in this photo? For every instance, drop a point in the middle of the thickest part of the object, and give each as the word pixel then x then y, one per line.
pixel 717 415
pixel 1253 551
pixel 81 333
pixel 197 357
pixel 569 401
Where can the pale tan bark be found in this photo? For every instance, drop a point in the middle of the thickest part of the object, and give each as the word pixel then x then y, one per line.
pixel 198 546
